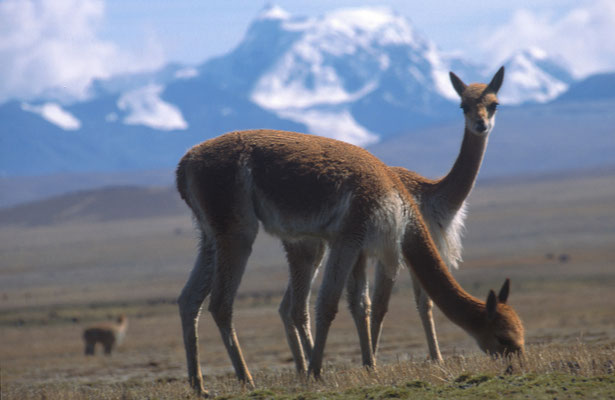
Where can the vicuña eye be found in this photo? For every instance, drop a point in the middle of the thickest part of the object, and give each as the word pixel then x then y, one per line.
pixel 465 108
pixel 492 107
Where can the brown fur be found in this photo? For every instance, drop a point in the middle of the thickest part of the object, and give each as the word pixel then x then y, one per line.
pixel 109 335
pixel 307 189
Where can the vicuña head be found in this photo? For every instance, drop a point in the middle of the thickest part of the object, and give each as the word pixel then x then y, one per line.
pixel 494 325
pixel 122 319
pixel 479 102
pixel 503 333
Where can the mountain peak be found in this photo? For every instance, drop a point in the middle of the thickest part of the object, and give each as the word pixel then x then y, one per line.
pixel 380 23
pixel 553 65
pixel 534 76
pixel 273 12
pixel 366 18
pixel 533 52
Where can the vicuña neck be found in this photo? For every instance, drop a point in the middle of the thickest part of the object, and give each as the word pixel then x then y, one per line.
pixel 458 305
pixel 458 183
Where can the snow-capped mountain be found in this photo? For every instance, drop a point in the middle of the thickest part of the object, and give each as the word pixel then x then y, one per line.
pixel 343 68
pixel 363 75
pixel 532 76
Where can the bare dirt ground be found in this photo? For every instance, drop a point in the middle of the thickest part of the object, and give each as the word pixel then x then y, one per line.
pixel 554 237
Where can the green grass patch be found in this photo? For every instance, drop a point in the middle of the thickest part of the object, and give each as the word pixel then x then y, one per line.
pixel 534 386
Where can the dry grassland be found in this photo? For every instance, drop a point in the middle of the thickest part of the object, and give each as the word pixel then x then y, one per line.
pixel 555 238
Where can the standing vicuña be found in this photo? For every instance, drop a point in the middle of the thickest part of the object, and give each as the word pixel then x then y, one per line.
pixel 308 189
pixel 108 334
pixel 441 203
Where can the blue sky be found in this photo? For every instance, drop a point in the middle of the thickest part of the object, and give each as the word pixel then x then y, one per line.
pixel 50 44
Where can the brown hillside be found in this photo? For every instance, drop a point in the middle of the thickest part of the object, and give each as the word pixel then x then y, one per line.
pixel 108 204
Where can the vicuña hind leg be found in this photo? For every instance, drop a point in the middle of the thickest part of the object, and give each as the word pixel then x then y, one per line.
pixel 342 258
pixel 108 346
pixel 232 252
pixel 190 301
pixel 383 287
pixel 360 308
pixel 303 258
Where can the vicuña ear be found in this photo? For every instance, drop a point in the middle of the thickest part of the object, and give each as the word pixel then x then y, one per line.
pixel 497 80
pixel 503 295
pixel 492 305
pixel 457 84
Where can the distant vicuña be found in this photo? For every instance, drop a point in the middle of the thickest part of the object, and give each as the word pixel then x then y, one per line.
pixel 109 335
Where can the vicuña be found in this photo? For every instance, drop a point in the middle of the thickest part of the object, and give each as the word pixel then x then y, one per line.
pixel 109 335
pixel 310 190
pixel 442 205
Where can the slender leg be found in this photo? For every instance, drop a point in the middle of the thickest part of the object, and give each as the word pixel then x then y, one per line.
pixel 425 306
pixel 232 252
pixel 108 347
pixel 190 301
pixel 89 348
pixel 383 287
pixel 342 258
pixel 292 335
pixel 360 308
pixel 303 258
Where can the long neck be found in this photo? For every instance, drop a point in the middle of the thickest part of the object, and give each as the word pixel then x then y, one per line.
pixel 457 184
pixel 459 306
pixel 123 323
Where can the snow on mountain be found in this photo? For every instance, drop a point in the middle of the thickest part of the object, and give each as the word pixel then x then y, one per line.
pixel 531 76
pixel 339 124
pixel 362 75
pixel 272 11
pixel 145 107
pixel 54 113
pixel 342 57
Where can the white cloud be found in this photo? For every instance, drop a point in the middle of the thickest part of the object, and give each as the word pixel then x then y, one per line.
pixel 584 37
pixel 145 107
pixel 51 47
pixel 55 114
